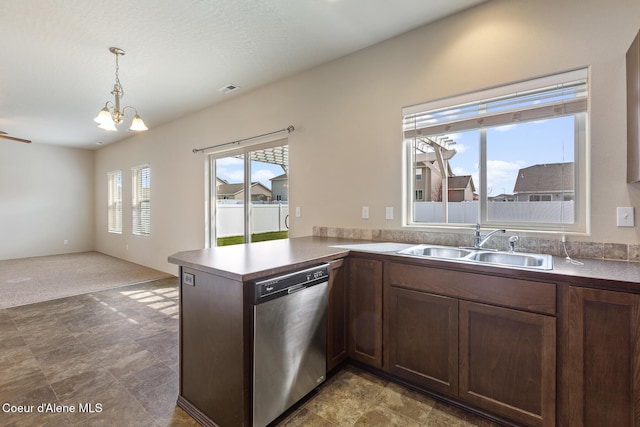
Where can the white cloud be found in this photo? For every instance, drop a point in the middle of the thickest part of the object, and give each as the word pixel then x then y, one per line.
pixel 262 175
pixel 501 175
pixel 230 175
pixel 504 128
pixel 460 148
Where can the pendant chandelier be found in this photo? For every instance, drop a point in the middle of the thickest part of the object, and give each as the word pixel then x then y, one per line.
pixel 111 115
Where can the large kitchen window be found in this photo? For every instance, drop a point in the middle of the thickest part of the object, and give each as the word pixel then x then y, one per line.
pixel 513 156
pixel 114 202
pixel 249 194
pixel 141 200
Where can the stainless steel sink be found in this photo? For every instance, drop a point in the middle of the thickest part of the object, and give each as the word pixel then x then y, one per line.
pixel 509 259
pixel 515 259
pixel 436 251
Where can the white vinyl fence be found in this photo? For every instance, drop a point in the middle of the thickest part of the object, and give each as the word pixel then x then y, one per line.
pixel 467 212
pixel 265 218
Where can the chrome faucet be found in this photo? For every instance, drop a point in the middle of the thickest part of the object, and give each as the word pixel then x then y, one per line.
pixel 479 241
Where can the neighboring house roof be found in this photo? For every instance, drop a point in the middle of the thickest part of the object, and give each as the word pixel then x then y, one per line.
pixel 280 177
pixel 229 189
pixel 233 189
pixel 461 182
pixel 545 178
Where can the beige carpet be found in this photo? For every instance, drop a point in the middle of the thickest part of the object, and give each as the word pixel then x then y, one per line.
pixel 30 280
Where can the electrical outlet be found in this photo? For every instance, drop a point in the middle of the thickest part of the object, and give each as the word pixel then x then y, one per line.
pixel 66 242
pixel 625 217
pixel 297 211
pixel 365 212
pixel 188 279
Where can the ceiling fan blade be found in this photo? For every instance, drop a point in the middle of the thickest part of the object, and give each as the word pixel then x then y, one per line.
pixel 14 138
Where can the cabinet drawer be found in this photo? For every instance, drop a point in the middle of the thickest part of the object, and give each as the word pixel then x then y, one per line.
pixel 521 294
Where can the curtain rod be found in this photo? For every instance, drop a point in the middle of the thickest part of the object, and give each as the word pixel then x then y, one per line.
pixel 287 129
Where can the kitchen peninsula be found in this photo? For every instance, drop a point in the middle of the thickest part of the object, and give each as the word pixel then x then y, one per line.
pixel 522 346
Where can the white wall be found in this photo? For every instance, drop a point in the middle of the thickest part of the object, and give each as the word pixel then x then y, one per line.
pixel 347 116
pixel 46 197
pixel 177 197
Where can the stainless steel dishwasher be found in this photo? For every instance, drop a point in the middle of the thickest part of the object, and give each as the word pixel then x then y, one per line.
pixel 289 340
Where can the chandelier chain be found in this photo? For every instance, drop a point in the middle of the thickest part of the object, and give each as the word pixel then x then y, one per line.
pixel 117 86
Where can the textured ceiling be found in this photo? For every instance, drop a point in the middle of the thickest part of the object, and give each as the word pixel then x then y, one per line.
pixel 56 71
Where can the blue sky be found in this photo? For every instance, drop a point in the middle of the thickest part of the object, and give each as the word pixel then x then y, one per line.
pixel 513 147
pixel 231 169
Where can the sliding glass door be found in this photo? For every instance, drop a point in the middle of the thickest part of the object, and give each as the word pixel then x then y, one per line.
pixel 249 194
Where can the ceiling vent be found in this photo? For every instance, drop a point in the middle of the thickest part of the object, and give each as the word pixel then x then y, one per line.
pixel 228 88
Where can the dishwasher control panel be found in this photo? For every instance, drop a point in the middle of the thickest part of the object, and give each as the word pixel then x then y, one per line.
pixel 275 287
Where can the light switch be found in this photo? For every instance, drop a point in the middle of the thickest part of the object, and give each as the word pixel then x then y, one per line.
pixel 297 211
pixel 625 217
pixel 365 212
pixel 389 212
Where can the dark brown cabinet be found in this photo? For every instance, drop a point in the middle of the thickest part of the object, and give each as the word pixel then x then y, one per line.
pixel 603 358
pixel 365 307
pixel 633 111
pixel 441 335
pixel 508 362
pixel 338 313
pixel 421 343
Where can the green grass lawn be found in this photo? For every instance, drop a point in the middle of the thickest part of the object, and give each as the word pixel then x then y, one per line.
pixel 261 237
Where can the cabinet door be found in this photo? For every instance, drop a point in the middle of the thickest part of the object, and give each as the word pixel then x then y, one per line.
pixel 421 344
pixel 508 362
pixel 337 332
pixel 365 302
pixel 603 358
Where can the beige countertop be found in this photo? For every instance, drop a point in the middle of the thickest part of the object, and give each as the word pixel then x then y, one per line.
pixel 262 259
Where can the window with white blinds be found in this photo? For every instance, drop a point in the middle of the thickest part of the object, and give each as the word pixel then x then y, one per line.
pixel 141 200
pixel 114 201
pixel 510 156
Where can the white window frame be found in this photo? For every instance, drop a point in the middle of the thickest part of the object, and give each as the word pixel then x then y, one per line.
pixel 211 174
pixel 140 220
pixel 114 202
pixel 581 148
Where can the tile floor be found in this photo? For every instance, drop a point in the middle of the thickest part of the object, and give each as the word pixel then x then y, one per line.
pixel 354 397
pixel 111 357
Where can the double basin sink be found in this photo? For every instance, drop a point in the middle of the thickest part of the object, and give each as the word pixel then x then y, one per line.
pixel 482 256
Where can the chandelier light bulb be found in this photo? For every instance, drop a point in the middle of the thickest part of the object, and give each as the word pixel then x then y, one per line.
pixel 104 116
pixel 137 124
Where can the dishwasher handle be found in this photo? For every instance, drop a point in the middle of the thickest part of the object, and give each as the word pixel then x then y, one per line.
pixel 295 289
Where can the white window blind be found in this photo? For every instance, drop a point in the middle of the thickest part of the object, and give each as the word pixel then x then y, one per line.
pixel 114 201
pixel 560 95
pixel 141 192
